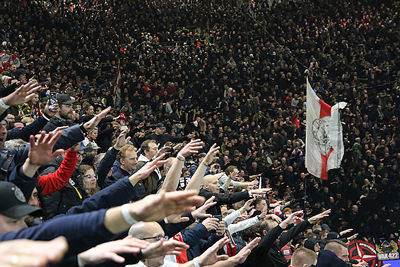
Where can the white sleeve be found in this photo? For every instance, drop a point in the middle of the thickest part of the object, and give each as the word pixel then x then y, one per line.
pixel 240 226
pixel 231 217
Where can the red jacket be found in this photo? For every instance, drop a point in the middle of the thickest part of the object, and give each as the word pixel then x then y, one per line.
pixel 53 182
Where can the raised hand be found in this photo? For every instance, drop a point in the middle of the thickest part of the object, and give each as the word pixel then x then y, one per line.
pixel 211 154
pixel 91 124
pixel 291 219
pixel 201 211
pixel 147 169
pixel 244 252
pixel 210 256
pixel 316 218
pixel 246 205
pixel 27 253
pixel 41 150
pixel 211 224
pixel 23 94
pixel 163 247
pixel 157 207
pixel 110 251
pixel 191 148
pixel 122 140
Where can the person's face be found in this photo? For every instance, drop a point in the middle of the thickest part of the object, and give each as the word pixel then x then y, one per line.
pixel 344 254
pixel 160 131
pixel 234 174
pixel 8 224
pixel 34 200
pixel 261 205
pixel 90 110
pixel 66 112
pixel 213 186
pixel 93 134
pixel 128 163
pixel 89 179
pixel 317 248
pixel 153 150
pixel 35 99
pixel 3 133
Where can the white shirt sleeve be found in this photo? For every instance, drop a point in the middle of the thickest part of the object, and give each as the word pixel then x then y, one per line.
pixel 240 226
pixel 231 217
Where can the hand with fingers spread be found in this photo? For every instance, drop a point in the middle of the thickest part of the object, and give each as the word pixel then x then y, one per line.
pixel 90 125
pixel 163 247
pixel 247 205
pixel 210 256
pixel 201 212
pixel 244 252
pixel 122 140
pixel 110 251
pixel 316 218
pixel 208 159
pixel 23 94
pixel 157 207
pixel 41 152
pixel 191 148
pixel 291 219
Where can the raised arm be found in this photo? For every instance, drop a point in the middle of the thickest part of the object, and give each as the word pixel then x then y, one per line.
pixel 197 179
pixel 52 182
pixel 173 175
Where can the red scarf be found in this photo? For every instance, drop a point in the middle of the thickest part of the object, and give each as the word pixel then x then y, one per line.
pixel 181 258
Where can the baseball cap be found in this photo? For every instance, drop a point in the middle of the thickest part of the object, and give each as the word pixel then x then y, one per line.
pixel 160 125
pixel 64 99
pixel 13 203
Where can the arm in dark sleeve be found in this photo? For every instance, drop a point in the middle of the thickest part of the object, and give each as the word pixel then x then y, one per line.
pixel 119 193
pixel 193 236
pixel 69 137
pixel 105 165
pixel 225 198
pixel 25 183
pixel 293 232
pixel 82 231
pixel 171 229
pixel 268 240
pixel 28 130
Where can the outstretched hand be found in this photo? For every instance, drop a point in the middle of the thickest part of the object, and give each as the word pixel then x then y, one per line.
pixel 157 207
pixel 23 94
pixel 191 148
pixel 316 218
pixel 110 251
pixel 211 154
pixel 147 169
pixel 91 124
pixel 210 256
pixel 201 212
pixel 41 150
pixel 122 140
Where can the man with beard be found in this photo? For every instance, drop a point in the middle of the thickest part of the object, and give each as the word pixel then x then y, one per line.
pixel 64 116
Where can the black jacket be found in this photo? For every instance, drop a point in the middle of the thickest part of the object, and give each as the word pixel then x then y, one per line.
pixel 222 199
pixel 268 251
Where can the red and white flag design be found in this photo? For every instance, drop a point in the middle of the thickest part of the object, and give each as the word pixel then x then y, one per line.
pixel 117 89
pixel 324 136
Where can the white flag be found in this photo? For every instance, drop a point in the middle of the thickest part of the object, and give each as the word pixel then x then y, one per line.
pixel 324 136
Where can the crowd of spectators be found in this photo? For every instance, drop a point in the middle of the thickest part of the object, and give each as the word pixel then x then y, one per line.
pixel 226 72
